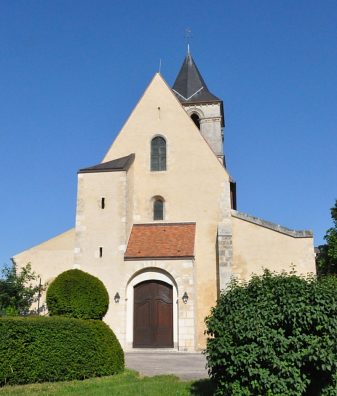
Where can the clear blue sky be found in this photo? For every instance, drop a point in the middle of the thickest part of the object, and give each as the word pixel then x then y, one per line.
pixel 71 72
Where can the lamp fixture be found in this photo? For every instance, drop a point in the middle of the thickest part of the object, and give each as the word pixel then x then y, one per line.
pixel 117 298
pixel 185 298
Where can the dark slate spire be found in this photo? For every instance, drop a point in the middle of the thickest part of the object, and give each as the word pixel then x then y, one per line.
pixel 189 86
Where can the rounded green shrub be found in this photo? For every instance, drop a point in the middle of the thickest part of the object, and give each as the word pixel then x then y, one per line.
pixel 77 294
pixel 40 349
pixel 275 335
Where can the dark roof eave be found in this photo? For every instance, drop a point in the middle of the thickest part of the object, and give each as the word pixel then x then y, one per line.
pixel 199 101
pixel 101 170
pixel 117 165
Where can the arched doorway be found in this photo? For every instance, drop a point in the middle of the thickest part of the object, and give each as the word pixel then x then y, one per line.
pixel 153 315
pixel 149 274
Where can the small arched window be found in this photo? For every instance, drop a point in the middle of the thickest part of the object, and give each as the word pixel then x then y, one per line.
pixel 158 209
pixel 158 154
pixel 196 119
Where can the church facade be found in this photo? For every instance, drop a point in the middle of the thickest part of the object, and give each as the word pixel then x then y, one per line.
pixel 157 221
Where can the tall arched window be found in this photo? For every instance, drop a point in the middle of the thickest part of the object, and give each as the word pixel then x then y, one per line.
pixel 158 209
pixel 158 154
pixel 196 119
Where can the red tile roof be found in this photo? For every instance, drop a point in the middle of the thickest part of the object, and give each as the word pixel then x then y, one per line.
pixel 161 241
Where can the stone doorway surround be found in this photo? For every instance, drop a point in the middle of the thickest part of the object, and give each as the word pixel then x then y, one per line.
pixel 183 314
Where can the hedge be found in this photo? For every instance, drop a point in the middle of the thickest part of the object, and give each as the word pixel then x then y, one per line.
pixel 40 349
pixel 275 335
pixel 77 294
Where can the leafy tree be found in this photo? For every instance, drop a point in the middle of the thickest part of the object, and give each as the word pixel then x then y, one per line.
pixel 18 290
pixel 275 335
pixel 326 259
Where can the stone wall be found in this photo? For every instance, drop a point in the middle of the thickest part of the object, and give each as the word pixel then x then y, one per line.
pixel 259 244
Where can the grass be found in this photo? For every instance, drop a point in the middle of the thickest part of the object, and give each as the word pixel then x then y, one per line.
pixel 129 383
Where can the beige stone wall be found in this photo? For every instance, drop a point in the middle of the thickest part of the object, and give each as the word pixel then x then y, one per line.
pixel 130 190
pixel 97 227
pixel 106 228
pixel 256 247
pixel 50 258
pixel 195 186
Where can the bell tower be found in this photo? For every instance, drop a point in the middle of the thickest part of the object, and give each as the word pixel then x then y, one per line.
pixel 204 108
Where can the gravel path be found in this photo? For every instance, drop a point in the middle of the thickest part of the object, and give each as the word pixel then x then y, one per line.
pixel 186 366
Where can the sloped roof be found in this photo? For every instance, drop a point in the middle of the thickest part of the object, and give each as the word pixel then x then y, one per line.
pixel 189 86
pixel 116 165
pixel 161 241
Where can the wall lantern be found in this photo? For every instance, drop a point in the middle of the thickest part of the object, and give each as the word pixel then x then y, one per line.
pixel 185 298
pixel 117 298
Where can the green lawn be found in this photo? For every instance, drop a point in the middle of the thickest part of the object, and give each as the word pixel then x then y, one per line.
pixel 125 384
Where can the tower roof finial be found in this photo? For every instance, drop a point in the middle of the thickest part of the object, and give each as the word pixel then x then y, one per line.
pixel 188 36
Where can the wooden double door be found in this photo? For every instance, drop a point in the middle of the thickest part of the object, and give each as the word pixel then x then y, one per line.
pixel 153 315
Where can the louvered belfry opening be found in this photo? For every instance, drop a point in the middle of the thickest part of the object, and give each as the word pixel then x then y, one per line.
pixel 196 119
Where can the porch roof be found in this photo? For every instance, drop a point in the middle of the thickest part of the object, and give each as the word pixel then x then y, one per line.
pixel 161 241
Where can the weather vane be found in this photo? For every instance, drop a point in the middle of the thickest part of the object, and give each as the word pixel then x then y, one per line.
pixel 188 37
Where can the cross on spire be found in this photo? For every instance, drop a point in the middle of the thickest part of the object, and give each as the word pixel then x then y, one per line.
pixel 188 36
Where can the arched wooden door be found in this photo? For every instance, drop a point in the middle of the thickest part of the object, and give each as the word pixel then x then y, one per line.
pixel 153 315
